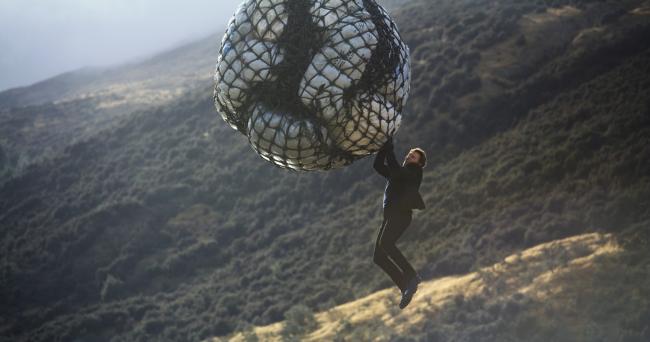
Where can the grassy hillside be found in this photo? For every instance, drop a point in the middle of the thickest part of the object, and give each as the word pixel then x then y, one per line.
pixel 152 79
pixel 39 121
pixel 164 225
pixel 557 291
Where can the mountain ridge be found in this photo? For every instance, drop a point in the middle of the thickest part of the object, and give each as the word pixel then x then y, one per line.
pixel 511 287
pixel 85 82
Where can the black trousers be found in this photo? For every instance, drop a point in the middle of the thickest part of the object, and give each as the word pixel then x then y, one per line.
pixel 386 254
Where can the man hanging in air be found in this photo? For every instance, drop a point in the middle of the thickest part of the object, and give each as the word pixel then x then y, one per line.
pixel 400 198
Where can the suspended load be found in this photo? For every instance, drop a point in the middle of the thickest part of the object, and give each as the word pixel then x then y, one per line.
pixel 313 84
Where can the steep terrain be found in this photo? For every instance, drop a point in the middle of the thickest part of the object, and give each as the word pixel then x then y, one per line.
pixel 39 121
pixel 162 224
pixel 153 79
pixel 551 292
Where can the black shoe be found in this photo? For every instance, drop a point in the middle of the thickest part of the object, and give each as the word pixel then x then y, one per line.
pixel 410 290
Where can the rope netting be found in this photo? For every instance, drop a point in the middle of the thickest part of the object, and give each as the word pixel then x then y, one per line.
pixel 314 84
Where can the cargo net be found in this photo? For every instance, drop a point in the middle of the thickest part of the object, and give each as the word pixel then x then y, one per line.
pixel 314 84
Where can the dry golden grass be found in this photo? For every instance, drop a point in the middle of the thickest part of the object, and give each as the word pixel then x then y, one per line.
pixel 153 91
pixel 532 272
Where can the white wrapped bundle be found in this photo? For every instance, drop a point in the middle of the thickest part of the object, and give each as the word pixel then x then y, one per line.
pixel 314 84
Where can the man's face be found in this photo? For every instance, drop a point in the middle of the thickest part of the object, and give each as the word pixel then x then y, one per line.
pixel 412 157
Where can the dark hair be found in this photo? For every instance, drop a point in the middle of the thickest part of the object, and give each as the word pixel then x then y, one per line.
pixel 423 156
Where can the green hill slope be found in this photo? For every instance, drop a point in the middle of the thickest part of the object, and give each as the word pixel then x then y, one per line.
pixel 154 78
pixel 39 121
pixel 164 225
pixel 522 298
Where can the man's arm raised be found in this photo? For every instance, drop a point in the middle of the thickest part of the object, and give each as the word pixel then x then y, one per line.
pixel 380 158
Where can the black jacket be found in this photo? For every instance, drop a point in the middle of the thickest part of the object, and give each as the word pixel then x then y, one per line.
pixel 403 181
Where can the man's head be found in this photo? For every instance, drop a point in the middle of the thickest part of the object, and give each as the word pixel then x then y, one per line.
pixel 416 156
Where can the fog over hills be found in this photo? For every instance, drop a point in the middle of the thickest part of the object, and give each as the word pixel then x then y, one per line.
pixel 169 71
pixel 43 39
pixel 89 100
pixel 129 211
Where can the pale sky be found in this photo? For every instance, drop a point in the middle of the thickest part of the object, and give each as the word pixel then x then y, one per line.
pixel 42 38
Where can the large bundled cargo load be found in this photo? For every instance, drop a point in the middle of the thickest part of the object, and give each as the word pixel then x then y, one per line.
pixel 314 84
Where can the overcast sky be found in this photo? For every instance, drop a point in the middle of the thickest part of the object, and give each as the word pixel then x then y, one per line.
pixel 43 38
